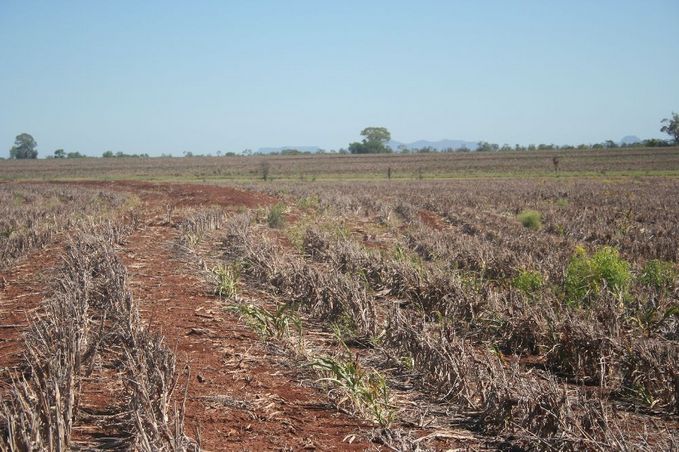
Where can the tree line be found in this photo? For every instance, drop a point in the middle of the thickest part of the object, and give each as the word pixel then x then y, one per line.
pixel 374 141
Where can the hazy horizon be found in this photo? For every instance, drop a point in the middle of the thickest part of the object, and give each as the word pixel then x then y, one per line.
pixel 164 77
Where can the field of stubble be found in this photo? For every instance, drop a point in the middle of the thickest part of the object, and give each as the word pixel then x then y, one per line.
pixel 537 312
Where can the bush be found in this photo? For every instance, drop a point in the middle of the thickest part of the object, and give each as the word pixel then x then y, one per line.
pixel 531 219
pixel 586 276
pixel 658 274
pixel 275 216
pixel 528 281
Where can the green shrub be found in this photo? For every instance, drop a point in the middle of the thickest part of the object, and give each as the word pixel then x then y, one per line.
pixel 226 280
pixel 658 274
pixel 275 216
pixel 309 202
pixel 367 390
pixel 531 219
pixel 528 281
pixel 587 275
pixel 277 324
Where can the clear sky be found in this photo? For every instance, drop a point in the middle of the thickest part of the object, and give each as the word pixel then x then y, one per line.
pixel 144 76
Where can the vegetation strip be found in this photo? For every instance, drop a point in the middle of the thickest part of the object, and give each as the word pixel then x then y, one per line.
pixel 91 320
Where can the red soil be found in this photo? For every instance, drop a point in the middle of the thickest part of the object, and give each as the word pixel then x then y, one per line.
pixel 184 195
pixel 431 219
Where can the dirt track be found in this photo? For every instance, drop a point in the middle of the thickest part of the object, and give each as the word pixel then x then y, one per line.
pixel 237 395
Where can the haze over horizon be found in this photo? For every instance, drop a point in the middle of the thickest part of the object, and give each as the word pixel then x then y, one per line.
pixel 165 77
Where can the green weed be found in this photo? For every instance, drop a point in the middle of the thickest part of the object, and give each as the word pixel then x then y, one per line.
pixel 275 217
pixel 400 253
pixel 531 219
pixel 267 324
pixel 367 391
pixel 587 275
pixel 344 328
pixel 560 230
pixel 407 362
pixel 227 280
pixel 528 281
pixel 309 202
pixel 659 274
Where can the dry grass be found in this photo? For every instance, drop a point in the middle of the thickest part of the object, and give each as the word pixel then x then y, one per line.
pixel 32 216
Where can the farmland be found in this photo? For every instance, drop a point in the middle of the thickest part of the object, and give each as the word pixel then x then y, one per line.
pixel 625 161
pixel 473 301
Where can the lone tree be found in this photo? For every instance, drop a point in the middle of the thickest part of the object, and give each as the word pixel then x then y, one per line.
pixel 672 127
pixel 24 147
pixel 375 141
pixel 59 154
pixel 376 134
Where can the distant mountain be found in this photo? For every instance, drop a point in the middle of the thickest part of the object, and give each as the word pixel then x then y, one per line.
pixel 437 145
pixel 282 148
pixel 630 139
pixel 440 145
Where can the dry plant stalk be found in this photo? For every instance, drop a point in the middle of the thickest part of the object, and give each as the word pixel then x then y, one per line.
pixel 91 312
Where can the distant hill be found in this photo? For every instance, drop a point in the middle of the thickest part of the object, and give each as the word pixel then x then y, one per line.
pixel 282 148
pixel 437 145
pixel 395 145
pixel 630 139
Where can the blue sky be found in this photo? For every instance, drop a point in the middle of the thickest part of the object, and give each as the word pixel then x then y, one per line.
pixel 228 75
